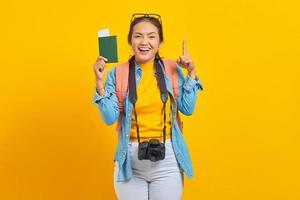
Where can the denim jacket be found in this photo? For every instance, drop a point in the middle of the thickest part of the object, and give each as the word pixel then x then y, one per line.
pixel 109 111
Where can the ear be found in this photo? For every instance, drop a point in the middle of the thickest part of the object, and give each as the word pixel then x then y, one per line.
pixel 130 46
pixel 159 45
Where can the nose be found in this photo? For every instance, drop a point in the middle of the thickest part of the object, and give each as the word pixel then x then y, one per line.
pixel 144 40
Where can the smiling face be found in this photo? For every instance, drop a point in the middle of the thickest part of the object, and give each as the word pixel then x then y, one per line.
pixel 145 42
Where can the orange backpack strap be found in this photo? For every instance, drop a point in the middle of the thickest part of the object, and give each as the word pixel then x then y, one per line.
pixel 171 70
pixel 122 71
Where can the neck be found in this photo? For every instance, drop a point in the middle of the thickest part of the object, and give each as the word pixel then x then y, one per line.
pixel 145 62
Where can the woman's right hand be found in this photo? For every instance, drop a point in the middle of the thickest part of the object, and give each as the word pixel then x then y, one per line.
pixel 99 67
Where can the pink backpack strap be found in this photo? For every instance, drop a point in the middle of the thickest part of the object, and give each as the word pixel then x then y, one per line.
pixel 171 70
pixel 122 71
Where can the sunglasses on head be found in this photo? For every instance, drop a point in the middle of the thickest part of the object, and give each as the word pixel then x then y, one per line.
pixel 143 15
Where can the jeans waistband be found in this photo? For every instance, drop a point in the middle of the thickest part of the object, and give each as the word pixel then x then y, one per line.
pixel 167 142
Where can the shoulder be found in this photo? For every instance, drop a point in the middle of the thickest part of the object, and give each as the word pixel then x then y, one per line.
pixel 169 61
pixel 115 69
pixel 171 66
pixel 122 65
pixel 122 69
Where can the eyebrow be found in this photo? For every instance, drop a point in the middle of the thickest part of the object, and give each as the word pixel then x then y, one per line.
pixel 147 33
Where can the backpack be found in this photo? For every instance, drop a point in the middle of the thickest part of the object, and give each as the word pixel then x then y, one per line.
pixel 122 72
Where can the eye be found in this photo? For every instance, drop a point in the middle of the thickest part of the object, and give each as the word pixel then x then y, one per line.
pixel 137 36
pixel 152 36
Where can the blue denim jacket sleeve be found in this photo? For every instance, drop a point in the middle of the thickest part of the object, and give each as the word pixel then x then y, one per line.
pixel 108 103
pixel 188 92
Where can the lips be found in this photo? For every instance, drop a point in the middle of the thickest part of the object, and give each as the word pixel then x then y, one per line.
pixel 144 50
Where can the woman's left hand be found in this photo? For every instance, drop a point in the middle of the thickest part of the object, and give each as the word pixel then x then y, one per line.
pixel 186 61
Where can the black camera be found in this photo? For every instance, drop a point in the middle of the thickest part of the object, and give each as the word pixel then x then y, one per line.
pixel 151 150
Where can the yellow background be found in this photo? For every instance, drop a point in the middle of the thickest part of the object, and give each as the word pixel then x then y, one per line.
pixel 243 135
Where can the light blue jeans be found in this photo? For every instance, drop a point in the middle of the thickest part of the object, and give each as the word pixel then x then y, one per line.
pixel 159 180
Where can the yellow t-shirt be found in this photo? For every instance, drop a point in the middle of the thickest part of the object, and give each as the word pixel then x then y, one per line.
pixel 149 108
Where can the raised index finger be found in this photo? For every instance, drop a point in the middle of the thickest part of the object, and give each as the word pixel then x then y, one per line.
pixel 183 48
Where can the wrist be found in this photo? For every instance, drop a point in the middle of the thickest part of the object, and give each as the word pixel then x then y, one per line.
pixel 98 79
pixel 100 90
pixel 100 86
pixel 192 73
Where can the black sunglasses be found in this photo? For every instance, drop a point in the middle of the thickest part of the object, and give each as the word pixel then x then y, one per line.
pixel 143 15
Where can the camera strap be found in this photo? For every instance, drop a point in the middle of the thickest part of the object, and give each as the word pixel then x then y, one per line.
pixel 162 88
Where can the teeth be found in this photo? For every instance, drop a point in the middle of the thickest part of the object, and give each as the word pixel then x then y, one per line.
pixel 144 49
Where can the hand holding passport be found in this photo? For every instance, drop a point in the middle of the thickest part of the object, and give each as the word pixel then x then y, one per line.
pixel 108 46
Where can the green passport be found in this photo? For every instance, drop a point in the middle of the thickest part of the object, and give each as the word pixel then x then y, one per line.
pixel 108 48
